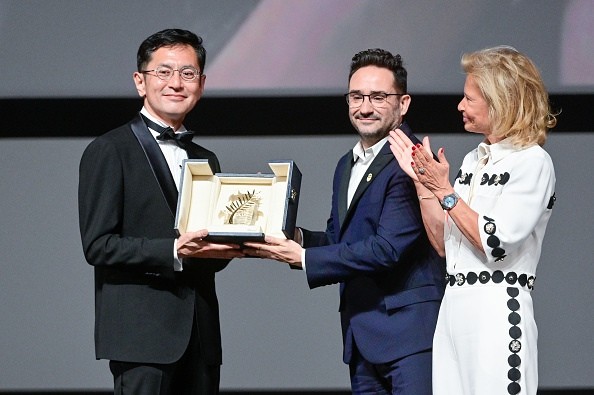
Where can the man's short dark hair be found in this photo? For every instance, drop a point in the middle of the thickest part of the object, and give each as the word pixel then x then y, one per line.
pixel 381 58
pixel 170 38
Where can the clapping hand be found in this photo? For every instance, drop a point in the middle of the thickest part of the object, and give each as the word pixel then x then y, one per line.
pixel 402 148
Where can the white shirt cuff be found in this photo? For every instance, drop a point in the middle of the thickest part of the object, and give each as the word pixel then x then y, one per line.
pixel 177 263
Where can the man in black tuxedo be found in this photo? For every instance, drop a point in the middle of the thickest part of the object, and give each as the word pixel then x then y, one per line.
pixel 156 309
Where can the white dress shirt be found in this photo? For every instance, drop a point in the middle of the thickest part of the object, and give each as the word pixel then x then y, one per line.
pixel 174 155
pixel 363 159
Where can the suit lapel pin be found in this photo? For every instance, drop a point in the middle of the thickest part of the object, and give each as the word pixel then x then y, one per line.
pixel 369 176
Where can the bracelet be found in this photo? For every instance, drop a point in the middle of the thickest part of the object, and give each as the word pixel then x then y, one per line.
pixel 426 197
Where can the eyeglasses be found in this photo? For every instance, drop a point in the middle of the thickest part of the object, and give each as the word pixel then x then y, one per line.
pixel 377 99
pixel 165 73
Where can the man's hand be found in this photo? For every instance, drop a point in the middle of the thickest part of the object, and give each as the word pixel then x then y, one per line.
pixel 193 245
pixel 282 250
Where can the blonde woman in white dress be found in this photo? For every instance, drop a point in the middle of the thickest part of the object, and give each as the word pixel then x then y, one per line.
pixel 490 226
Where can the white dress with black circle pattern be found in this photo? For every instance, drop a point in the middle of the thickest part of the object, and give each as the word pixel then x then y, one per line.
pixel 485 340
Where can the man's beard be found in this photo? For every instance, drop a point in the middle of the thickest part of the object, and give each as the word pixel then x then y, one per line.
pixel 372 135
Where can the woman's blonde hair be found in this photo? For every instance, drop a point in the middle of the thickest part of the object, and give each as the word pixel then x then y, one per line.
pixel 513 88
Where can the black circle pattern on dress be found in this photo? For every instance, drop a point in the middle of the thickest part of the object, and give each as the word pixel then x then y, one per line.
pixel 495 179
pixel 484 277
pixel 515 345
pixel 463 178
pixel 497 276
pixel 511 278
pixel 492 240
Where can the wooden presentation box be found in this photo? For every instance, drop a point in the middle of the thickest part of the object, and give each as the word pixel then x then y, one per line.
pixel 236 208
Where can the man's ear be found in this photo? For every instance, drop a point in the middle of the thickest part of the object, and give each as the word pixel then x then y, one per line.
pixel 140 83
pixel 404 103
pixel 202 83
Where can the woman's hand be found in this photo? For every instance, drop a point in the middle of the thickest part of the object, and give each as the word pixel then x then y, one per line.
pixel 401 146
pixel 433 174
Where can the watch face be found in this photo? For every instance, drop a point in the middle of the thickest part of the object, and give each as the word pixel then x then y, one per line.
pixel 449 201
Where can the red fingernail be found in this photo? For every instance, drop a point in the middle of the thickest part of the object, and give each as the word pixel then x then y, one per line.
pixel 413 154
pixel 419 145
pixel 414 148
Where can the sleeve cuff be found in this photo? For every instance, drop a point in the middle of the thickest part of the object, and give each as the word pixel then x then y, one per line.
pixel 177 263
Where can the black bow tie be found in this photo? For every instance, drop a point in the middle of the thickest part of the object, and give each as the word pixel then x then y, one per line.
pixel 166 133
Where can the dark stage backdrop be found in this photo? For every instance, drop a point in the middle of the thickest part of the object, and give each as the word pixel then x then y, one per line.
pixel 71 48
pixel 276 71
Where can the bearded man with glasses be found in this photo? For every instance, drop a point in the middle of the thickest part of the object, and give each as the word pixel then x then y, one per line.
pixel 391 279
pixel 156 309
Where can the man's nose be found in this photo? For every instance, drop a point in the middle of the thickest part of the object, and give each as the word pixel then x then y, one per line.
pixel 366 106
pixel 175 79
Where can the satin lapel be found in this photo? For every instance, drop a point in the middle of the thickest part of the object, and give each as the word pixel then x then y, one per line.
pixel 343 188
pixel 156 161
pixel 383 158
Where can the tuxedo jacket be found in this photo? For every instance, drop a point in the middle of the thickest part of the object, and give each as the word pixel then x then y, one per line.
pixel 391 279
pixel 144 311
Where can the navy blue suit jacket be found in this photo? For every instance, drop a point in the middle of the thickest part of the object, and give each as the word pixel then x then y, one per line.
pixel 391 279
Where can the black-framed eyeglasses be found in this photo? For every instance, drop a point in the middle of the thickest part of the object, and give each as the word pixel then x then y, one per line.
pixel 377 99
pixel 165 73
